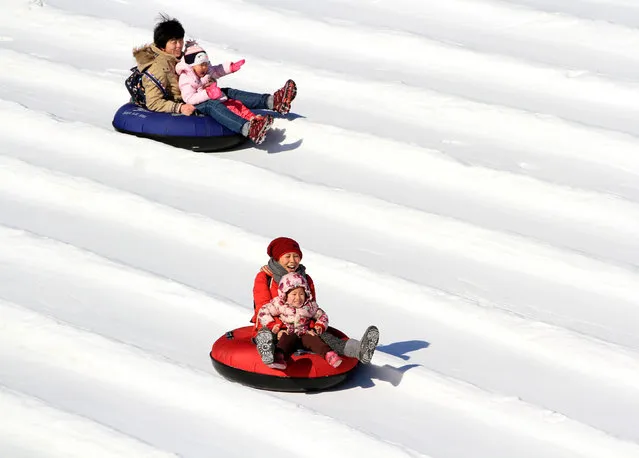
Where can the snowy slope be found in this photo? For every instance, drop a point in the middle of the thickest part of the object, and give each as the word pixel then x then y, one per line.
pixel 469 171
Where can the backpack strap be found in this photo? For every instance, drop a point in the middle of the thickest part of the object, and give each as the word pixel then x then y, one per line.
pixel 157 83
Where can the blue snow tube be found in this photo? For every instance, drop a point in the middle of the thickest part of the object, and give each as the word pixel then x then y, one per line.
pixel 197 133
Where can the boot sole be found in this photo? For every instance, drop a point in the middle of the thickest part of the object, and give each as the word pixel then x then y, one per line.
pixel 290 92
pixel 368 344
pixel 264 344
pixel 261 136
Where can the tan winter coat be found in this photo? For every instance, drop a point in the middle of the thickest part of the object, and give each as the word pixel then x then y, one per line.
pixel 162 66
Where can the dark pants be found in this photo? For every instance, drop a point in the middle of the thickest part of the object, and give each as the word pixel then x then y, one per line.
pixel 291 342
pixel 218 111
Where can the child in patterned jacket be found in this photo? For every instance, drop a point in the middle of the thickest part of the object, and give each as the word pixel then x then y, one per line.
pixel 297 321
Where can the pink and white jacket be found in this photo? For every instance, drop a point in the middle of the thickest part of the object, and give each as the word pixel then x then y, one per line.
pixel 192 87
pixel 296 320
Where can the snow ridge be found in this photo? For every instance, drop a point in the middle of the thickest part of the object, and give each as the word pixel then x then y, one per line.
pixel 462 173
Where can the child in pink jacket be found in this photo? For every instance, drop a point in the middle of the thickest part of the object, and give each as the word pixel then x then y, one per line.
pixel 300 323
pixel 230 107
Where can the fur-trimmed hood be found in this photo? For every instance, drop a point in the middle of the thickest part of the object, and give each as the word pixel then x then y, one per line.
pixel 147 54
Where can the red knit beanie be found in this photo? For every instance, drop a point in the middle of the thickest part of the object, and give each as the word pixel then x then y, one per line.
pixel 282 245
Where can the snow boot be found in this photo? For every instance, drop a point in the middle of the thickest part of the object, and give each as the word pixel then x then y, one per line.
pixel 258 126
pixel 279 363
pixel 265 343
pixel 283 97
pixel 368 344
pixel 333 359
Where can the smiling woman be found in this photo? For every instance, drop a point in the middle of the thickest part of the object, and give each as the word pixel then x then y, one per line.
pixel 158 60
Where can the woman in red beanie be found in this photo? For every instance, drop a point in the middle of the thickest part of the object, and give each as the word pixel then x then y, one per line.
pixel 285 255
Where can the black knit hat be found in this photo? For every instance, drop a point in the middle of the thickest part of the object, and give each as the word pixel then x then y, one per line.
pixel 165 30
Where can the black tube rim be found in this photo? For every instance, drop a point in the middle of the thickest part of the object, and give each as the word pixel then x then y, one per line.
pixel 196 144
pixel 274 383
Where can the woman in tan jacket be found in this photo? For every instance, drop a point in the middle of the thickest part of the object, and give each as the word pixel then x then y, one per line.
pixel 159 59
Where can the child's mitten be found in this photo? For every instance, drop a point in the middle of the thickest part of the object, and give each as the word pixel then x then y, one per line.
pixel 235 66
pixel 213 91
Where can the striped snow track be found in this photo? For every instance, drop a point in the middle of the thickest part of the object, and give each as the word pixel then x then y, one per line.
pixel 36 429
pixel 31 336
pixel 70 266
pixel 510 413
pixel 620 12
pixel 475 24
pixel 107 206
pixel 535 145
pixel 186 224
pixel 30 252
pixel 591 212
pixel 494 249
pixel 164 382
pixel 97 87
pixel 552 344
pixel 439 64
pixel 411 164
pixel 426 172
pixel 538 33
pixel 590 100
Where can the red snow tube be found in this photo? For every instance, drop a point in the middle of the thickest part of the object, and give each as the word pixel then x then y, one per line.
pixel 235 357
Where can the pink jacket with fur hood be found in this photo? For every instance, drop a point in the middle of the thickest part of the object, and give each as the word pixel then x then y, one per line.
pixel 192 87
pixel 294 319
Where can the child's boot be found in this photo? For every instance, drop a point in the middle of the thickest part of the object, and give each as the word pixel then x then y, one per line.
pixel 265 345
pixel 333 359
pixel 279 363
pixel 368 344
pixel 283 97
pixel 258 126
